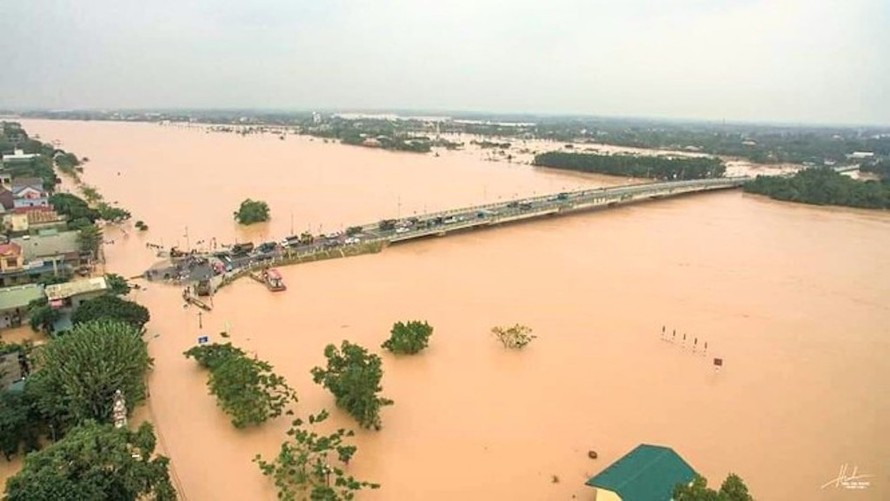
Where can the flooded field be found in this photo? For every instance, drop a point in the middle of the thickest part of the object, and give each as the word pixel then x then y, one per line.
pixel 793 298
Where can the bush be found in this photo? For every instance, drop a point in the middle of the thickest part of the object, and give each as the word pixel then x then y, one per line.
pixel 515 337
pixel 408 338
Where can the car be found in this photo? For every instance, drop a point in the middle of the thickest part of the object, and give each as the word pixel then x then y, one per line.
pixel 525 206
pixel 402 230
pixel 513 205
pixel 449 220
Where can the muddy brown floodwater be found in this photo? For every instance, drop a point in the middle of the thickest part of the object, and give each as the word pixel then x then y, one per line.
pixel 795 299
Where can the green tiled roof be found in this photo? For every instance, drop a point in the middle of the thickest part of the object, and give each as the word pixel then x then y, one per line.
pixel 647 473
pixel 19 296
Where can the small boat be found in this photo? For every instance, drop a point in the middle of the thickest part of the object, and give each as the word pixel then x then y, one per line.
pixel 273 280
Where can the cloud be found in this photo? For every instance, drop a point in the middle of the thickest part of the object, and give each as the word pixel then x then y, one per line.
pixel 788 60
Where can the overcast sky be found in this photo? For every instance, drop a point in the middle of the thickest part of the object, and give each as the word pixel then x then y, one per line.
pixel 808 61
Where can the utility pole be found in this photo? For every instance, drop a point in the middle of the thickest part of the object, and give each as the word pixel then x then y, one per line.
pixel 291 223
pixel 399 210
pixel 186 238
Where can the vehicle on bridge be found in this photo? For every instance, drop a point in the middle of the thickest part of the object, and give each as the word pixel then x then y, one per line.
pixel 242 249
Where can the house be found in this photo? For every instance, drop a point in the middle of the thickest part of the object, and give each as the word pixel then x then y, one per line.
pixel 14 303
pixel 17 157
pixel 29 192
pixel 5 180
pixel 72 294
pixel 647 473
pixel 52 246
pixel 33 219
pixel 11 258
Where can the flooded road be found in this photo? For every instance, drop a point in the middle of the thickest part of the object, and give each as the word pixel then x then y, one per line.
pixel 793 298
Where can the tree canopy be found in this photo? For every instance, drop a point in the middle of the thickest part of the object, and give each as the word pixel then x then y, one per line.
pixel 109 306
pixel 246 389
pixel 408 338
pixel 95 462
pixel 353 376
pixel 252 211
pixel 634 165
pixel 733 489
pixel 117 284
pixel 89 238
pixel 823 186
pixel 303 467
pixel 81 370
pixel 73 207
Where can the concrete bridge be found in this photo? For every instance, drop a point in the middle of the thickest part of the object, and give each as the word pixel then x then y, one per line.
pixel 199 267
pixel 441 223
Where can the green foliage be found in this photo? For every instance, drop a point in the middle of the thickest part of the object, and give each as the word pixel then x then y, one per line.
pixel 42 317
pixel 387 224
pixel 112 214
pixel 303 470
pixel 515 337
pixel 353 376
pixel 90 238
pixel 246 389
pixel 733 489
pixel 95 462
pixel 91 194
pixel 68 163
pixel 113 308
pixel 73 207
pixel 117 284
pixel 141 226
pixel 633 165
pixel 408 338
pixel 353 230
pixel 19 423
pixel 82 369
pixel 821 186
pixel 252 211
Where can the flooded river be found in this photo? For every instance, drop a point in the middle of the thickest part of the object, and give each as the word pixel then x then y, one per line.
pixel 795 299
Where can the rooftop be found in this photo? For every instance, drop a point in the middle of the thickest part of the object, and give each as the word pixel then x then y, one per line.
pixel 649 472
pixel 19 296
pixel 48 244
pixel 22 182
pixel 62 291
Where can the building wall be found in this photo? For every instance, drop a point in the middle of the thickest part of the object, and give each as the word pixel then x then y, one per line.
pixel 605 495
pixel 12 317
pixel 31 202
pixel 10 263
pixel 80 298
pixel 16 222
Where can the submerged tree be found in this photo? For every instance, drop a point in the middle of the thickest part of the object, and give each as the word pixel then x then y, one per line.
pixel 246 389
pixel 117 284
pixel 515 337
pixel 408 338
pixel 252 211
pixel 303 468
pixel 353 376
pixel 95 461
pixel 733 489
